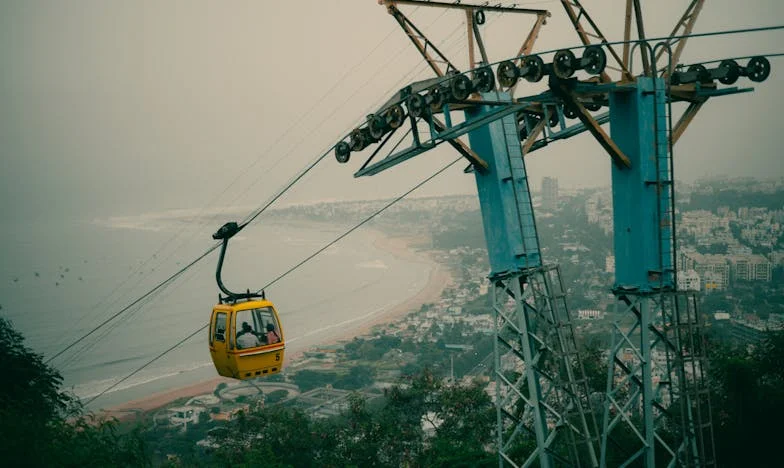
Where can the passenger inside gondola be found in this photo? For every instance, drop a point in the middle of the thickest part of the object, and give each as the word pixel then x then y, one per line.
pixel 272 335
pixel 247 338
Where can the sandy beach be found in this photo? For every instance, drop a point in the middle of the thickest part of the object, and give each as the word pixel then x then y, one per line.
pixel 405 248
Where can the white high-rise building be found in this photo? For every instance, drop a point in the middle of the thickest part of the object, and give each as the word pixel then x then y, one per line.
pixel 609 264
pixel 688 280
pixel 550 193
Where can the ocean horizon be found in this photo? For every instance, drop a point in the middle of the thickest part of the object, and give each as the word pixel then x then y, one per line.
pixel 59 284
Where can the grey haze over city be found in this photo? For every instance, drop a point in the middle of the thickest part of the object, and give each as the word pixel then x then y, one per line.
pixel 122 108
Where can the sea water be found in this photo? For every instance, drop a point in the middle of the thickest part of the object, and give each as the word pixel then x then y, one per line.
pixel 59 281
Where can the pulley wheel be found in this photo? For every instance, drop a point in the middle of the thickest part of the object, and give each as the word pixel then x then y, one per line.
pixel 508 74
pixel 553 120
pixel 594 60
pixel 569 113
pixel 523 132
pixel 534 68
pixel 436 98
pixel 592 106
pixel 357 141
pixel 732 72
pixel 394 116
pixel 461 87
pixel 564 63
pixel 758 69
pixel 342 152
pixel 483 79
pixel 702 73
pixel 376 126
pixel 416 105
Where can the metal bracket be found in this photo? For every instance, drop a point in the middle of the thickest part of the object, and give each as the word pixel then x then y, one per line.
pixel 563 90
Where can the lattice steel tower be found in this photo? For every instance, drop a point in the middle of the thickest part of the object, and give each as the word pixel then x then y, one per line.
pixel 656 411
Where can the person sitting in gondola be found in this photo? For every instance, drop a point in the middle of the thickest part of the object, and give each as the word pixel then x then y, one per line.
pixel 247 338
pixel 272 337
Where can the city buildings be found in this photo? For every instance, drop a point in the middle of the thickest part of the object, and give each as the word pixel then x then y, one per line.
pixel 750 268
pixel 713 269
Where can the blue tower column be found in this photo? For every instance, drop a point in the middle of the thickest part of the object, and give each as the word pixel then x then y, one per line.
pixel 535 338
pixel 642 192
pixel 641 391
pixel 504 196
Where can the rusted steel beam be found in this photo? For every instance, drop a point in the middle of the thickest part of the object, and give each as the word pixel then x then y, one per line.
pixel 528 44
pixel 646 61
pixel 685 120
pixel 627 34
pixel 688 92
pixel 417 37
pixel 479 42
pixel 531 138
pixel 465 6
pixel 570 100
pixel 533 35
pixel 478 163
pixel 683 27
pixel 585 36
pixel 470 35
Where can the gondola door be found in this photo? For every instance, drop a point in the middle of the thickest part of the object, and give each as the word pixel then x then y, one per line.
pixel 219 336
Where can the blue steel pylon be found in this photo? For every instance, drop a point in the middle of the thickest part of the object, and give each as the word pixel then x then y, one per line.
pixel 656 400
pixel 659 396
pixel 541 389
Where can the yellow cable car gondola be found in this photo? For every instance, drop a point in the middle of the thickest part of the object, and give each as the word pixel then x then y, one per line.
pixel 246 338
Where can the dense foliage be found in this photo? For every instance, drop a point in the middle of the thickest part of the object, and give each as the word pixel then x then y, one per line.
pixel 40 425
pixel 423 423
pixel 748 403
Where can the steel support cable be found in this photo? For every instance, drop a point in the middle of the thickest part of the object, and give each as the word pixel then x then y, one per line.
pixel 301 118
pixel 242 173
pixel 135 273
pixel 98 337
pixel 248 220
pixel 299 176
pixel 145 295
pixel 115 384
pixel 365 221
pixel 280 138
pixel 192 263
pixel 329 150
pixel 245 222
pixel 215 246
pixel 289 271
pixel 661 38
pixel 124 319
pixel 335 110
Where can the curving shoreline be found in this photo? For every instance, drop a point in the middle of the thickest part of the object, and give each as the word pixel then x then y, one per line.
pixel 404 248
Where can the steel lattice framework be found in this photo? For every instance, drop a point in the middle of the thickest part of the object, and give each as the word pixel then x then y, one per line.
pixel 656 410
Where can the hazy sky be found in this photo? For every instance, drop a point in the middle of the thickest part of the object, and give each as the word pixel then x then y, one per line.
pixel 110 107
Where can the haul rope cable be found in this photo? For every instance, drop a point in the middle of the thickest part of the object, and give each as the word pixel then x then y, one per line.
pixel 248 220
pixel 280 138
pixel 726 32
pixel 310 257
pixel 252 217
pixel 768 28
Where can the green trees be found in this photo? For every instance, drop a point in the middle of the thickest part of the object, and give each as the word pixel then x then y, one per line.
pixel 423 423
pixel 42 426
pixel 748 403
